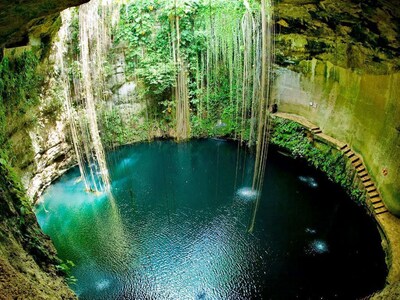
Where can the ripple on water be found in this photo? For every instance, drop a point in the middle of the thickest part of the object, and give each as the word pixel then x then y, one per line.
pixel 102 284
pixel 171 233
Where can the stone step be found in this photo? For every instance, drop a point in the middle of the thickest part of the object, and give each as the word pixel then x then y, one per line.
pixel 363 174
pixel 314 128
pixel 378 205
pixel 343 148
pixel 350 154
pixel 347 150
pixel 371 189
pixel 368 183
pixel 373 194
pixel 360 168
pixel 359 165
pixel 354 159
pixel 375 200
pixel 381 210
pixel 365 179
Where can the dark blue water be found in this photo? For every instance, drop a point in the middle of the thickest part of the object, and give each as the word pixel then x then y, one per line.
pixel 177 228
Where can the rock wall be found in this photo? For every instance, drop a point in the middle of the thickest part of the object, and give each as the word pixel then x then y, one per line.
pixel 18 18
pixel 53 156
pixel 38 151
pixel 28 262
pixel 362 110
pixel 123 96
pixel 339 66
pixel 40 143
pixel 359 35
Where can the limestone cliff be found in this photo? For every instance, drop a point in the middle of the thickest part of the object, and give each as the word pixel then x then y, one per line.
pixel 29 268
pixel 341 70
pixel 27 258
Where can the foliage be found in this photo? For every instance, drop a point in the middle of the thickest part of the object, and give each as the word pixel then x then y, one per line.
pixel 147 29
pixel 19 83
pixel 11 182
pixel 20 86
pixel 116 131
pixel 65 269
pixel 73 42
pixel 52 108
pixel 159 77
pixel 292 137
pixel 112 127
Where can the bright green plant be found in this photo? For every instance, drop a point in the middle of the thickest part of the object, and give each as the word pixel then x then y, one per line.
pixel 65 269
pixel 19 83
pixel 159 76
pixel 292 137
pixel 20 87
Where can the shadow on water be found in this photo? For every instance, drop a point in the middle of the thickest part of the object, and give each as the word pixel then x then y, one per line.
pixel 178 229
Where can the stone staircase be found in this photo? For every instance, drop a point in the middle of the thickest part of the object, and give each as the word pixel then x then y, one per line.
pixel 374 201
pixel 372 193
pixel 316 130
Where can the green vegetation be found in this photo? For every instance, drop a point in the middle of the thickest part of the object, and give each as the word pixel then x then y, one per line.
pixel 20 86
pixel 215 47
pixel 292 137
pixel 11 181
pixel 116 132
pixel 148 53
pixel 65 269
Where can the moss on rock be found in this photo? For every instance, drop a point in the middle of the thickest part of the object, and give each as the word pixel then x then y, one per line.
pixel 27 258
pixel 360 36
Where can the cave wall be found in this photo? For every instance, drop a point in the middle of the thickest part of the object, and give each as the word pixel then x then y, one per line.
pixel 339 66
pixel 361 110
pixel 29 267
pixel 38 140
pixel 19 18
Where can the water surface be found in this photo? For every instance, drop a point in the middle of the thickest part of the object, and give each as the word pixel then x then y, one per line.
pixel 177 228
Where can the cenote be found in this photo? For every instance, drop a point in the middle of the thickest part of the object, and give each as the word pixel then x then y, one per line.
pixel 177 228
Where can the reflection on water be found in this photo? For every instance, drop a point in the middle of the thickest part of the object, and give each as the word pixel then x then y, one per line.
pixel 310 231
pixel 247 194
pixel 310 181
pixel 317 247
pixel 176 228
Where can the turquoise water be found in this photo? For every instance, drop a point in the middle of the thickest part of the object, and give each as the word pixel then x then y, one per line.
pixel 177 228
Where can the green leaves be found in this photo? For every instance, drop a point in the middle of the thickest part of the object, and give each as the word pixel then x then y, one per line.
pixel 292 136
pixel 19 83
pixel 209 32
pixel 158 76
pixel 65 269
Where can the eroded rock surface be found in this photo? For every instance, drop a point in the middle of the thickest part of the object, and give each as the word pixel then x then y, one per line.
pixel 17 18
pixel 360 35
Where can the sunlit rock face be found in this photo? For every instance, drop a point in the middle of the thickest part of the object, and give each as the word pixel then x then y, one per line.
pixel 341 70
pixel 359 109
pixel 18 17
pixel 53 156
